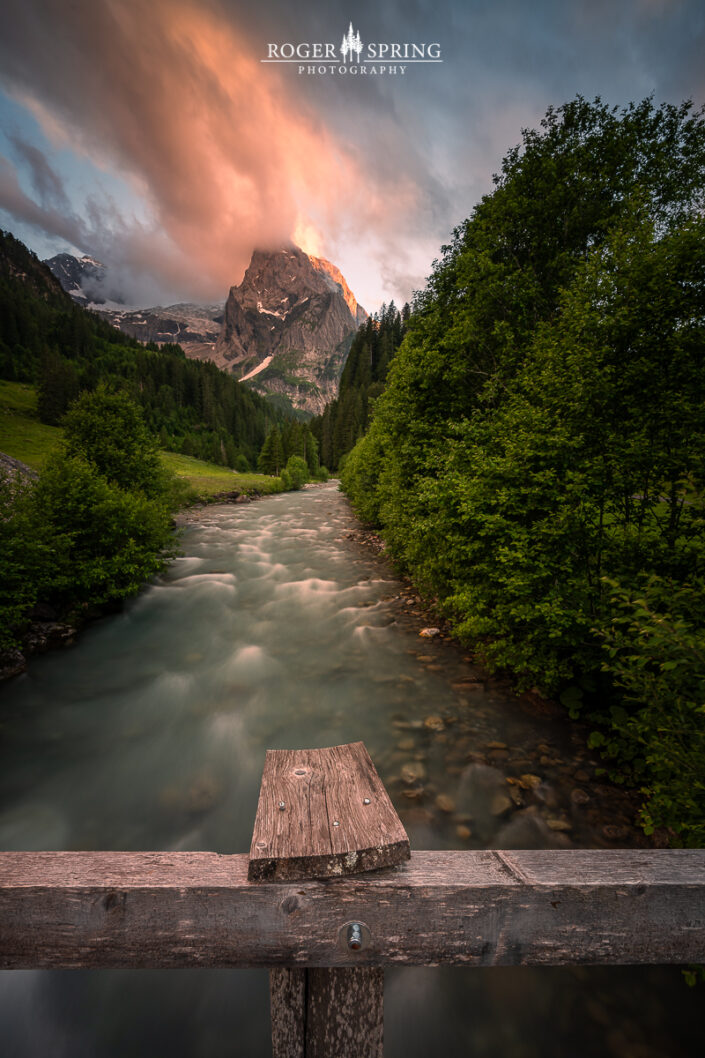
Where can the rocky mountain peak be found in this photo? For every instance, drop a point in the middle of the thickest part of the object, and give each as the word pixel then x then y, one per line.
pixel 274 277
pixel 336 280
pixel 81 277
pixel 288 327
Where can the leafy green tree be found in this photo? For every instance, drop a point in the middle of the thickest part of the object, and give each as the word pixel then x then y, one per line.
pixel 310 452
pixel 588 467
pixel 106 540
pixel 655 651
pixel 296 472
pixel 542 430
pixel 108 430
pixel 24 550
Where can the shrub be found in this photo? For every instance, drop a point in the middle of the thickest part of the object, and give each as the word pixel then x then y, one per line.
pixel 654 650
pixel 296 471
pixel 22 552
pixel 105 541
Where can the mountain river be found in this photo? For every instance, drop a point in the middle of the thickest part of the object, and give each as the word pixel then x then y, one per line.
pixel 279 626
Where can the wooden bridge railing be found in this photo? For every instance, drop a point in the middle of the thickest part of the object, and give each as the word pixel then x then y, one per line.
pixel 328 938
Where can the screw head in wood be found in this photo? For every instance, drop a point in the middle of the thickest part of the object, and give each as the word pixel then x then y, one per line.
pixel 336 823
pixel 355 936
pixel 282 806
pixel 366 801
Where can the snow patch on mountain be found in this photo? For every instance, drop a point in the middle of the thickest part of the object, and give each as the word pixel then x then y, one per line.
pixel 256 371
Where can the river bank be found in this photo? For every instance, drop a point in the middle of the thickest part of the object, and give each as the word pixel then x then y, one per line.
pixel 557 795
pixel 48 630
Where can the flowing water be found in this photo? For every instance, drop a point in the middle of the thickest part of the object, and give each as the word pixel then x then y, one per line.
pixel 277 628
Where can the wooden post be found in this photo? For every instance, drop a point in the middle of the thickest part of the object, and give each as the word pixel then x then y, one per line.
pixel 324 814
pixel 287 994
pixel 327 1013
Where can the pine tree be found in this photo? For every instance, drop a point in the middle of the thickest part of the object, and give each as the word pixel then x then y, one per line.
pixel 271 458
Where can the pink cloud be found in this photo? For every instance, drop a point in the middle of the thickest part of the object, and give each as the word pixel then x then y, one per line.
pixel 172 97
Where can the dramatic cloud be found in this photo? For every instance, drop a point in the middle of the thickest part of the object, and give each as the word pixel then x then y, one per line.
pixel 216 153
pixel 45 218
pixel 168 95
pixel 46 183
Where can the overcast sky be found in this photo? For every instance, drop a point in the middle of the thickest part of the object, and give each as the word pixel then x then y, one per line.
pixel 149 134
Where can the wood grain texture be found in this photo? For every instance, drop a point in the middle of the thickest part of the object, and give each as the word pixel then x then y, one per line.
pixel 324 828
pixel 344 1013
pixel 287 1002
pixel 103 909
pixel 320 1013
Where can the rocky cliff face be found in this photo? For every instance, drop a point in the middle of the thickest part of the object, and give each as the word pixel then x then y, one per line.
pixel 288 326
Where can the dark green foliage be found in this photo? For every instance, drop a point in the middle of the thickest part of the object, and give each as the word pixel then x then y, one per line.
pixel 543 428
pixel 58 386
pixel 105 540
pixel 95 526
pixel 108 430
pixel 45 338
pixel 292 439
pixel 23 553
pixel 298 440
pixel 291 452
pixel 296 473
pixel 271 458
pixel 655 651
pixel 345 420
pixel 588 466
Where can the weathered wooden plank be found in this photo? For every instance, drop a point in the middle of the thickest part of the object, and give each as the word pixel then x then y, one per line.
pixel 72 909
pixel 321 813
pixel 287 1001
pixel 324 1013
pixel 344 1013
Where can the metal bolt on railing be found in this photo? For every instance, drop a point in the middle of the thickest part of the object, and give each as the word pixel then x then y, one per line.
pixel 355 936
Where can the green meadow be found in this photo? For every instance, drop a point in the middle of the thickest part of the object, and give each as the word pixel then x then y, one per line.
pixel 24 437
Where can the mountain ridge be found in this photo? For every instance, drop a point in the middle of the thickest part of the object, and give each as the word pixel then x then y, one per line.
pixel 285 329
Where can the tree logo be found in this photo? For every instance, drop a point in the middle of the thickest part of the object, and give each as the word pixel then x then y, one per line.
pixel 351 43
pixel 352 58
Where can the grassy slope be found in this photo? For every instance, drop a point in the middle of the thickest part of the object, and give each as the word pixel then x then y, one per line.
pixel 24 437
pixel 209 478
